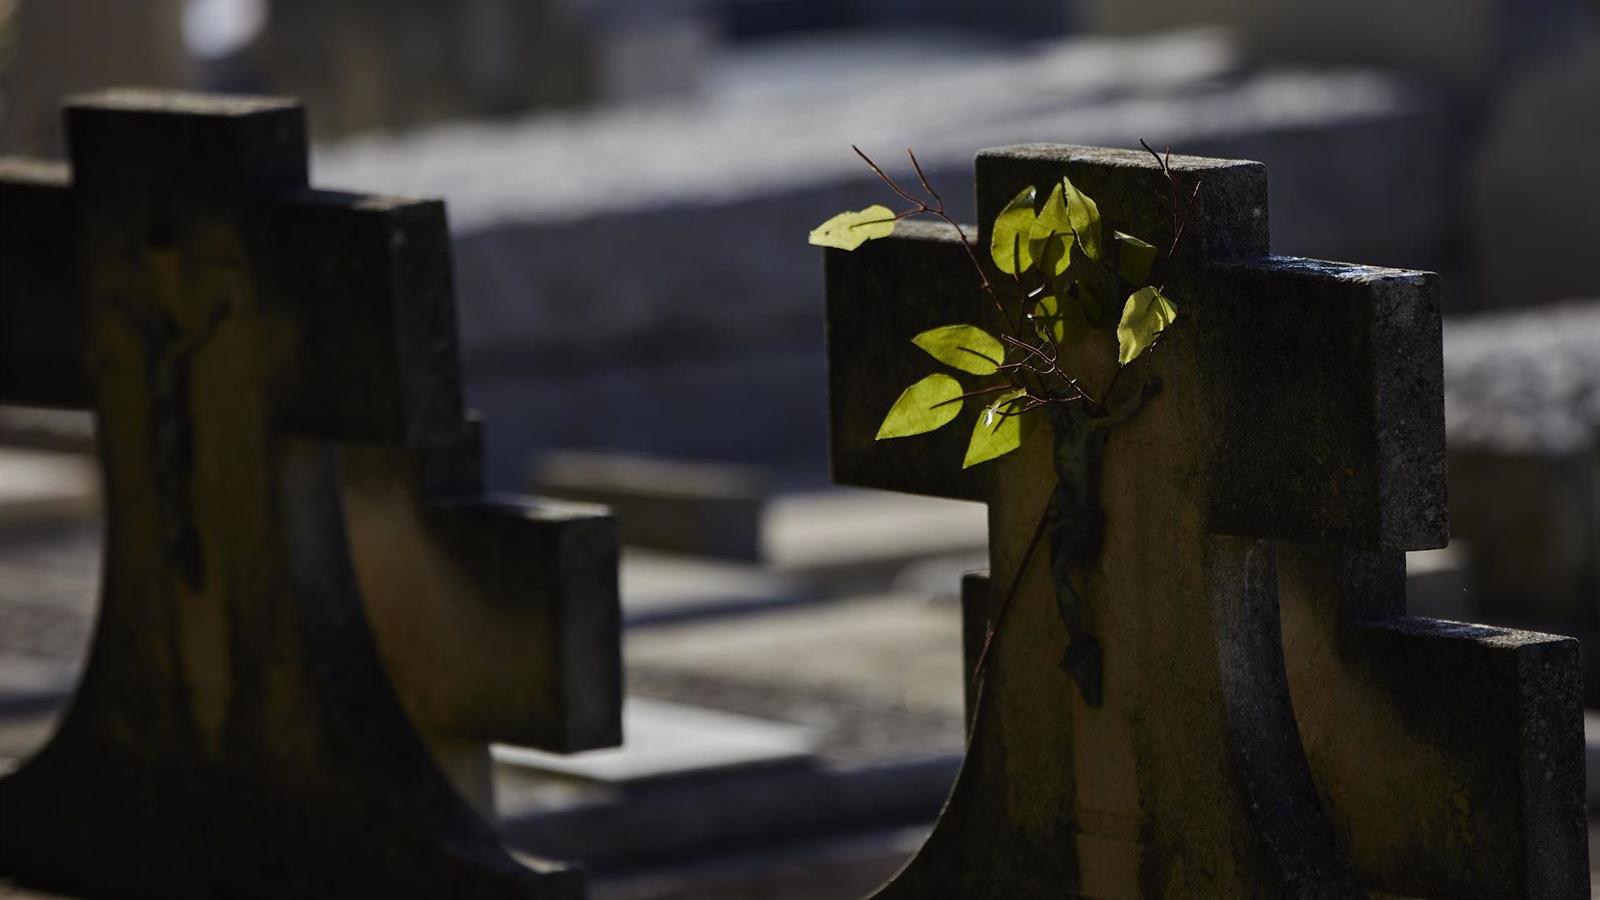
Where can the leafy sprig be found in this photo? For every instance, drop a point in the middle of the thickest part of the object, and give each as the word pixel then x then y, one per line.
pixel 1066 275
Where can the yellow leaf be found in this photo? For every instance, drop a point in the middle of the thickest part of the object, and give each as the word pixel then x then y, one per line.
pixel 1052 234
pixel 995 434
pixel 1010 245
pixel 925 406
pixel 849 230
pixel 963 347
pixel 1145 315
pixel 1085 217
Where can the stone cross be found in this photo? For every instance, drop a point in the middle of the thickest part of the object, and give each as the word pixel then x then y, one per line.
pixel 312 619
pixel 1272 723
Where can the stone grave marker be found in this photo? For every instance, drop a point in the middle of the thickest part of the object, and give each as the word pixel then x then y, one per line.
pixel 312 622
pixel 1272 723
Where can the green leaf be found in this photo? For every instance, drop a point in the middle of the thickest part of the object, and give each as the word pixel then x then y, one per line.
pixel 849 230
pixel 995 435
pixel 1085 217
pixel 1010 244
pixel 1146 314
pixel 925 406
pixel 1134 258
pixel 1052 234
pixel 1072 216
pixel 1054 254
pixel 963 347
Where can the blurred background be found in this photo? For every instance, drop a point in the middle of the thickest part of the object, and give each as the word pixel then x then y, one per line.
pixel 630 183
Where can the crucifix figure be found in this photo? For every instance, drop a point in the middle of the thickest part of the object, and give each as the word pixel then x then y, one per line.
pixel 1075 523
pixel 313 620
pixel 1267 720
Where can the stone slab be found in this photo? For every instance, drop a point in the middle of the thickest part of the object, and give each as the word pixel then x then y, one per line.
pixel 64 430
pixel 663 740
pixel 899 651
pixel 1476 44
pixel 840 530
pixel 845 866
pixel 1525 380
pixel 1523 421
pixel 684 506
pixel 666 587
pixel 39 488
pixel 663 823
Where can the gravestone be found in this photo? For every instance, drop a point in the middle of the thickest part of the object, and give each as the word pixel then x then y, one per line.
pixel 1272 723
pixel 56 48
pixel 682 506
pixel 312 620
pixel 1474 44
pixel 1533 168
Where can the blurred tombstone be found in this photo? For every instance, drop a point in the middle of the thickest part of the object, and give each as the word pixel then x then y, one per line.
pixel 371 65
pixel 1472 43
pixel 1536 183
pixel 694 507
pixel 1268 719
pixel 1026 19
pixel 313 619
pixel 1523 410
pixel 64 47
pixel 375 64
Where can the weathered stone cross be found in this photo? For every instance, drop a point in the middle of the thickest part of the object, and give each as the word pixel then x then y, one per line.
pixel 1273 724
pixel 312 619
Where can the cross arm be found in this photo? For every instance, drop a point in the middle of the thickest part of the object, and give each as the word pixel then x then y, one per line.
pixel 41 313
pixel 1490 753
pixel 498 616
pixel 549 570
pixel 1325 383
pixel 879 296
pixel 368 285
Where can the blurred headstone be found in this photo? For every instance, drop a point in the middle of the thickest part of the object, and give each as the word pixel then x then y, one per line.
pixel 703 508
pixel 1523 412
pixel 1472 43
pixel 383 65
pixel 1536 180
pixel 64 47
pixel 1014 19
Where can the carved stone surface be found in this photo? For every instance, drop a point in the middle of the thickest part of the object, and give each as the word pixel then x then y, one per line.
pixel 312 620
pixel 1273 723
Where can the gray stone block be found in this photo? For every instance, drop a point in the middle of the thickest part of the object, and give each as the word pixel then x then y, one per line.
pixel 694 507
pixel 1523 416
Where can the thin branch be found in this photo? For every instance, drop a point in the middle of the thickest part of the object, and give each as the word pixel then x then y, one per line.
pixel 978 393
pixel 1005 602
pixel 884 177
pixel 926 185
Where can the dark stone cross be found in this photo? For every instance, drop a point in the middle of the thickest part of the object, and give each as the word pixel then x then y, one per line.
pixel 313 621
pixel 1272 724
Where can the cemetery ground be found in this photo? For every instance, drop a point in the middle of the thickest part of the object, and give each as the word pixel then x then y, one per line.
pixel 815 696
